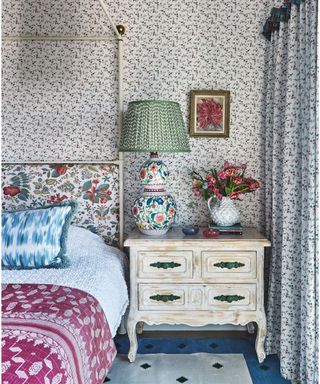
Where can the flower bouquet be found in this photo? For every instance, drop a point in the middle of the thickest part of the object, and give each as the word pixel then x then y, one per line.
pixel 222 187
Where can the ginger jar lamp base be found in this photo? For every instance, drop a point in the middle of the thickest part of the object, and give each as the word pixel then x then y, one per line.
pixel 155 210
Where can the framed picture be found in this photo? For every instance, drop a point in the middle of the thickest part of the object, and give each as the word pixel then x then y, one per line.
pixel 210 113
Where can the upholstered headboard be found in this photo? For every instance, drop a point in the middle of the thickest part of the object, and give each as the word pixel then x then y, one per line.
pixel 94 186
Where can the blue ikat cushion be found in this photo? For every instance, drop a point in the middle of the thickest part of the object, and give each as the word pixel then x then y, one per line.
pixel 36 238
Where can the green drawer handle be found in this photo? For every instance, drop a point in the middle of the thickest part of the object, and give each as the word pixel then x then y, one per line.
pixel 165 298
pixel 165 264
pixel 229 298
pixel 229 264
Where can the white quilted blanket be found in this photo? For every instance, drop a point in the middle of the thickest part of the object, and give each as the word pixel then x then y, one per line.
pixel 95 268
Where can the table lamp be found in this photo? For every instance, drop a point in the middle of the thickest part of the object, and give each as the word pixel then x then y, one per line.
pixel 154 126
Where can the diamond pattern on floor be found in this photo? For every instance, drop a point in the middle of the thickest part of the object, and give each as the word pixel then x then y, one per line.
pixel 219 345
pixel 193 368
pixel 182 379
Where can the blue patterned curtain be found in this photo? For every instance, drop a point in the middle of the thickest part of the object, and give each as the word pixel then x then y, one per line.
pixel 291 145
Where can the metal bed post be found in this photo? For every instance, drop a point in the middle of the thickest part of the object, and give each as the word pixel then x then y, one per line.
pixel 119 30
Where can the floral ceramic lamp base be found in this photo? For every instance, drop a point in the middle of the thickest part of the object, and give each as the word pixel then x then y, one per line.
pixel 154 211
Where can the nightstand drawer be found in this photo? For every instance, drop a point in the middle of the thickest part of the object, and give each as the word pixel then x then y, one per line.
pixel 175 297
pixel 221 264
pixel 231 297
pixel 165 264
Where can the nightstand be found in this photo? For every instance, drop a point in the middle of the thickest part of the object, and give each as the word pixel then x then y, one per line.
pixel 192 280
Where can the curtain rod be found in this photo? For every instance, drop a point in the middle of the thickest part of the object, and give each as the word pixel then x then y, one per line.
pixel 58 38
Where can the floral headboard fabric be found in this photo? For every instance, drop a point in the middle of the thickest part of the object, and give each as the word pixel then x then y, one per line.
pixel 95 187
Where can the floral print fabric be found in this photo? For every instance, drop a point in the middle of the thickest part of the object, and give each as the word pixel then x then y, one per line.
pixel 95 187
pixel 291 198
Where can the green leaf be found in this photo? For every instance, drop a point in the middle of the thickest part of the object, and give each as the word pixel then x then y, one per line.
pixel 103 186
pixel 24 192
pixel 51 181
pixel 92 169
pixel 87 185
pixel 86 196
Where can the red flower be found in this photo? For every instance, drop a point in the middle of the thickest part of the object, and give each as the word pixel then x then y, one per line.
pixel 209 113
pixel 142 173
pixel 232 171
pixel 103 200
pixel 91 193
pixel 234 195
pixel 172 211
pixel 237 180
pixel 222 175
pixel 211 180
pixel 95 181
pixel 253 184
pixel 56 198
pixel 135 210
pixel 12 190
pixel 160 217
pixel 61 169
pixel 109 193
pixel 197 192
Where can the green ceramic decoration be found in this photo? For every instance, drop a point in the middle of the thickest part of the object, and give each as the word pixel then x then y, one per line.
pixel 229 264
pixel 165 265
pixel 229 298
pixel 165 298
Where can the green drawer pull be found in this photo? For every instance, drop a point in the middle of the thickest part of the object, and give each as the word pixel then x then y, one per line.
pixel 165 298
pixel 229 298
pixel 165 264
pixel 229 264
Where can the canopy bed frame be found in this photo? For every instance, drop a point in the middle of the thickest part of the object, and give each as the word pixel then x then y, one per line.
pixel 117 35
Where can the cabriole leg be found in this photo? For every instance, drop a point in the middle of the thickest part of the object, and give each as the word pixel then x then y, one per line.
pixel 261 335
pixel 132 334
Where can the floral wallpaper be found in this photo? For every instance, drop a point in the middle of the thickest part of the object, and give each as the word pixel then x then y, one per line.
pixel 59 98
pixel 94 186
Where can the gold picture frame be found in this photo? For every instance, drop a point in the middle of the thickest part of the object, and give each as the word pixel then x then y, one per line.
pixel 210 113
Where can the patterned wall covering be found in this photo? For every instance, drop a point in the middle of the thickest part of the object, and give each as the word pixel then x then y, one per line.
pixel 60 98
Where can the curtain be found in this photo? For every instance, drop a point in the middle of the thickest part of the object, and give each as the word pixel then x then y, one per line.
pixel 291 145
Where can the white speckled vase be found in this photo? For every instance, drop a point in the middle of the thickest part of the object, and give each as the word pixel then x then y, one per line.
pixel 225 212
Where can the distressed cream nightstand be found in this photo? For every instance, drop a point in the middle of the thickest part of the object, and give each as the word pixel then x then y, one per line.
pixel 178 279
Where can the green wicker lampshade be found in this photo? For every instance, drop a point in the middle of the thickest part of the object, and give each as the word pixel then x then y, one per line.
pixel 154 126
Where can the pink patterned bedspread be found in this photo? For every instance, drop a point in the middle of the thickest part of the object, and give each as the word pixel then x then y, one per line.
pixel 53 335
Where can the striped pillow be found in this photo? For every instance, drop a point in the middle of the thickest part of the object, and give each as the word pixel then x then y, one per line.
pixel 36 238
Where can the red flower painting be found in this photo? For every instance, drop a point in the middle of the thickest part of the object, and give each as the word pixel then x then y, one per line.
pixel 209 113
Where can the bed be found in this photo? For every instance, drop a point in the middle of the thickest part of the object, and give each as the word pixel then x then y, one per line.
pixel 58 324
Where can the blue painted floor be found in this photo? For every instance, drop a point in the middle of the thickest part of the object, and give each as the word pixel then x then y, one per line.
pixel 266 373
